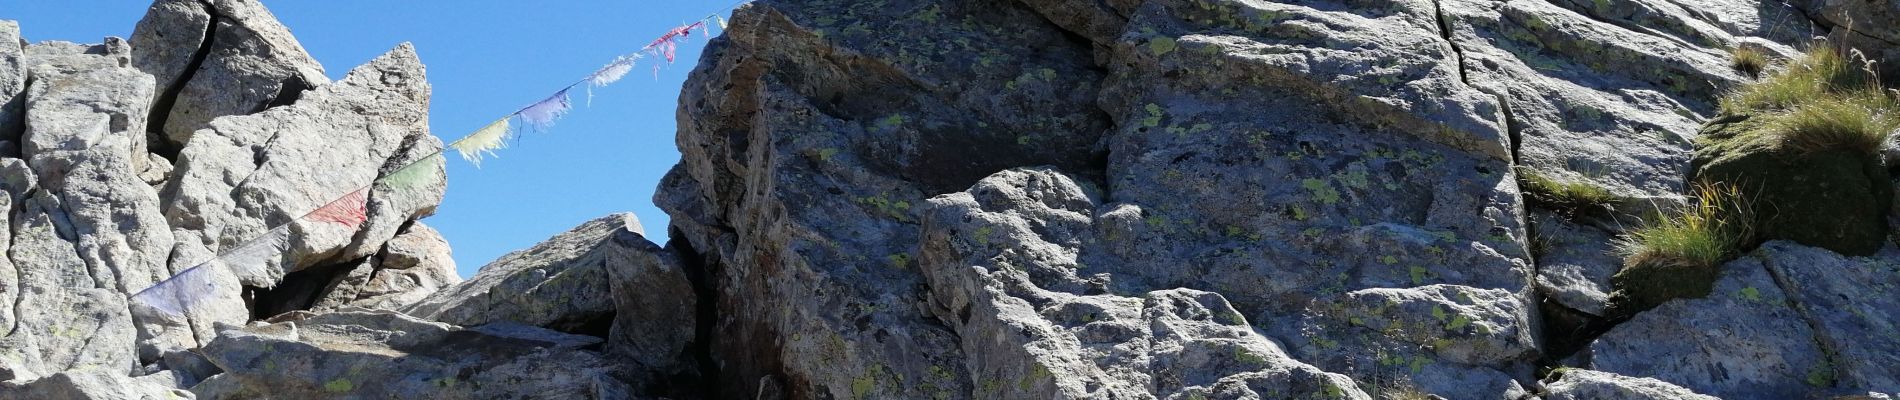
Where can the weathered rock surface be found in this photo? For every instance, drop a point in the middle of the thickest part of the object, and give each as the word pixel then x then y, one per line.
pixel 12 81
pixel 98 385
pixel 218 58
pixel 1786 321
pixel 411 266
pixel 1133 199
pixel 561 284
pixel 1583 384
pixel 1575 262
pixel 1003 261
pixel 1851 304
pixel 362 353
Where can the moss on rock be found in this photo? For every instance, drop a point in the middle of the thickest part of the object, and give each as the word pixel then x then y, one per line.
pixel 1834 198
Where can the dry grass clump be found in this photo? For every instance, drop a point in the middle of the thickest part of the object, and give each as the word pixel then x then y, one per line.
pixel 1748 61
pixel 1705 235
pixel 1827 99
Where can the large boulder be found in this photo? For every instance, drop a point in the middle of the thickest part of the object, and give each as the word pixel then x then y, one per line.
pixel 246 174
pixel 217 58
pixel 561 283
pixel 354 353
pixel 1835 198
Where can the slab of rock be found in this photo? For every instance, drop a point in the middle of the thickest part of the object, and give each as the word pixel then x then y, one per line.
pixel 355 353
pixel 1576 262
pixel 1853 303
pixel 1744 341
pixel 561 283
pixel 1607 95
pixel 1583 384
pixel 98 385
pixel 12 81
pixel 1001 262
pixel 413 265
pixel 218 58
pixel 656 314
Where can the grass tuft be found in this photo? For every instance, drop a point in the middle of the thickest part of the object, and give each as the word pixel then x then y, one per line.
pixel 1824 100
pixel 1748 61
pixel 1570 197
pixel 1860 123
pixel 1681 256
pixel 1705 235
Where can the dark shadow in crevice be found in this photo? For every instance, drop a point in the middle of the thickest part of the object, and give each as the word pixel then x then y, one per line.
pixel 158 141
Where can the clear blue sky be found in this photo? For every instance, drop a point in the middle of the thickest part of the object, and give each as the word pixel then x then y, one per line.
pixel 487 58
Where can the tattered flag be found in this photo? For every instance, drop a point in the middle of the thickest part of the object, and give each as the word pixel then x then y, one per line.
pixel 350 210
pixel 180 292
pixel 542 114
pixel 418 173
pixel 484 141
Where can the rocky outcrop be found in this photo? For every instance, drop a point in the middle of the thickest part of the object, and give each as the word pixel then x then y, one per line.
pixel 1132 199
pixel 215 58
pixel 97 210
pixel 359 353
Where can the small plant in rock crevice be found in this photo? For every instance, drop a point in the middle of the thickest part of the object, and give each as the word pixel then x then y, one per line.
pixel 1570 197
pixel 1749 61
pixel 1680 256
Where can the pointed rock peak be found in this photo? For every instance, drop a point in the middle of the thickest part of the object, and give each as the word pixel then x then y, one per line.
pixel 399 71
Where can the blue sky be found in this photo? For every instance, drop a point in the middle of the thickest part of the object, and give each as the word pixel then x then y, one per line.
pixel 487 58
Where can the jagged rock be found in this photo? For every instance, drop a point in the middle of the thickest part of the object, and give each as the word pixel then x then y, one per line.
pixel 98 385
pixel 655 309
pixel 1575 262
pixel 411 266
pixel 12 82
pixel 1001 262
pixel 1744 341
pixel 1853 304
pixel 217 58
pixel 1583 384
pixel 247 173
pixel 356 353
pixel 806 191
pixel 90 231
pixel 561 283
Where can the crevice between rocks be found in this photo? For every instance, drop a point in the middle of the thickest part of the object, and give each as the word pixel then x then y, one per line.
pixel 158 142
pixel 701 276
pixel 1444 31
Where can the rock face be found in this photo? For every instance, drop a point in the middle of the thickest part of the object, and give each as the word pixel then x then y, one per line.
pixel 958 199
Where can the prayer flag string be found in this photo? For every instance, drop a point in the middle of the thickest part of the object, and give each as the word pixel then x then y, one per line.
pixel 250 260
